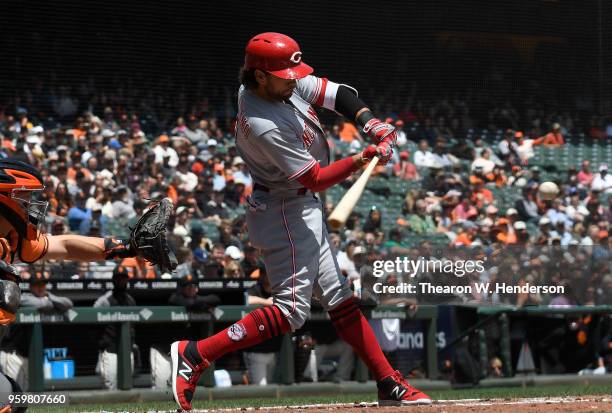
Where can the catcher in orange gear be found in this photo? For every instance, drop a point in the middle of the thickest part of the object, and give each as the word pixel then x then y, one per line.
pixel 21 216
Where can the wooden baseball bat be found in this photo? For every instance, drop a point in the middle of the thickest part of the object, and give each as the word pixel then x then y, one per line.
pixel 340 214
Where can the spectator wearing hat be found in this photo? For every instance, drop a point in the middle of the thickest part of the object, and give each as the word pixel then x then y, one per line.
pixel 405 169
pixel 187 296
pixel 544 231
pixel 242 173
pixel 505 232
pixel 512 215
pixel 164 154
pixel 109 340
pixel 522 236
pixel 402 139
pixel 373 222
pixel 233 257
pixel 491 212
pixel 517 177
pixel 602 182
pixel 525 147
pixel 467 234
pixel 552 138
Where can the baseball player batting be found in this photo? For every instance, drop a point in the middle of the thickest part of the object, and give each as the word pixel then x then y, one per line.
pixel 281 140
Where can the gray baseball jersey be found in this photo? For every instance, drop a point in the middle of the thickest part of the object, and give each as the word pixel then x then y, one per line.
pixel 279 142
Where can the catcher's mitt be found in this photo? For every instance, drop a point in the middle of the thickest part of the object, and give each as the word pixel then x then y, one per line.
pixel 148 237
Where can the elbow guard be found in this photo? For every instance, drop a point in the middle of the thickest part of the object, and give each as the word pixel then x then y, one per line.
pixel 347 102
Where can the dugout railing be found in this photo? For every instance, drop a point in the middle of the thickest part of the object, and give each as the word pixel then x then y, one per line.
pixel 125 316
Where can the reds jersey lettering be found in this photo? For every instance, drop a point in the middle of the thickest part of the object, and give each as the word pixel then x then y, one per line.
pixel 312 115
pixel 308 136
pixel 243 124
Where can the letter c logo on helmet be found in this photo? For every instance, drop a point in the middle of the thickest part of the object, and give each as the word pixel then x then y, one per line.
pixel 296 57
pixel 276 54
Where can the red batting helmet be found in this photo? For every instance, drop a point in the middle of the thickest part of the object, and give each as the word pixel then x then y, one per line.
pixel 276 54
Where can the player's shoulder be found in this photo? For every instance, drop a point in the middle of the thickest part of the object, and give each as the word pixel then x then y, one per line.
pixel 255 117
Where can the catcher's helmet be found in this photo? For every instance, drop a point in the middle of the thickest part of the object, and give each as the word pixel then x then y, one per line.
pixel 276 54
pixel 20 186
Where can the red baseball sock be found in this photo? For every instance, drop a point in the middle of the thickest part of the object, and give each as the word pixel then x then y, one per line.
pixel 257 326
pixel 353 328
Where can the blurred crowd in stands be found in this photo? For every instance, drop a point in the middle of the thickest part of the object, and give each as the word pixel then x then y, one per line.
pixel 103 156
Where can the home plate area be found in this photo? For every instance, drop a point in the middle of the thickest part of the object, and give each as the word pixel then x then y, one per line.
pixel 591 404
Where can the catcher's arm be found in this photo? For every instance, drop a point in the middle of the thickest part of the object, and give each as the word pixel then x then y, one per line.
pixel 148 239
pixel 82 248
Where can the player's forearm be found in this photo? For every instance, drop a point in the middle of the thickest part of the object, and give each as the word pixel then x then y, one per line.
pixel 319 179
pixel 82 248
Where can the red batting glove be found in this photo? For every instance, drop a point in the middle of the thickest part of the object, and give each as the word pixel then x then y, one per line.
pixel 380 131
pixel 385 151
pixel 382 151
pixel 368 153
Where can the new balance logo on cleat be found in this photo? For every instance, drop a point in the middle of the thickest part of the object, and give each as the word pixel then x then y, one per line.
pixel 185 371
pixel 187 367
pixel 397 392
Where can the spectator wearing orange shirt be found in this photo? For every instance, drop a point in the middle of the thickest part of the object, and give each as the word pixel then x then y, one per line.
pixel 138 267
pixel 466 237
pixel 348 132
pixel 552 138
pixel 481 196
pixel 505 232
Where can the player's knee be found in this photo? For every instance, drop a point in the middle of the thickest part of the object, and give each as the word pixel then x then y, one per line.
pixel 296 316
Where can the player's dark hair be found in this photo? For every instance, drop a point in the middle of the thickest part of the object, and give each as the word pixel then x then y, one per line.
pixel 247 78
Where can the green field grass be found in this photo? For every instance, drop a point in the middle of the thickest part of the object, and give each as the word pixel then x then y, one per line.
pixel 493 393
